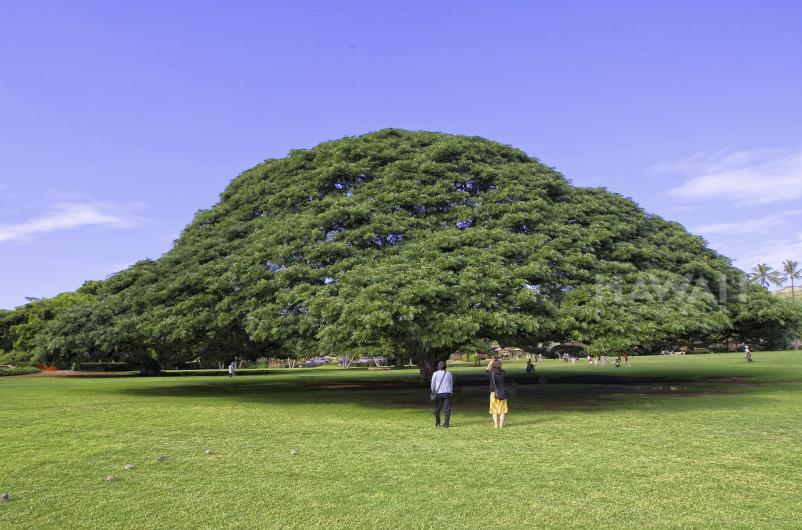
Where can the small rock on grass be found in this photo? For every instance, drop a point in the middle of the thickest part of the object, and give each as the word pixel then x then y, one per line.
pixel 4 496
pixel 112 478
pixel 209 452
pixel 128 466
pixel 161 458
pixel 294 452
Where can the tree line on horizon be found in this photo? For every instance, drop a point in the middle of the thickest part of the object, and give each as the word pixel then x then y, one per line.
pixel 411 245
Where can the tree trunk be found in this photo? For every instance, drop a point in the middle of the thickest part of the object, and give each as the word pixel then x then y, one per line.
pixel 427 362
pixel 149 366
pixel 426 367
pixel 399 361
pixel 793 302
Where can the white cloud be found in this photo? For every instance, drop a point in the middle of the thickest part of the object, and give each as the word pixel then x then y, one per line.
pixel 754 176
pixel 773 252
pixel 762 225
pixel 69 216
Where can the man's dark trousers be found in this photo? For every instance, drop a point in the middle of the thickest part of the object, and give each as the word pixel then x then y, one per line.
pixel 443 401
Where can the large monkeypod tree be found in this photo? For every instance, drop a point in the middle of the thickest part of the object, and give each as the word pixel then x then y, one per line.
pixel 412 243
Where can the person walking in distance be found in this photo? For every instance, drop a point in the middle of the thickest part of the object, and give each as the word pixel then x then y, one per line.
pixel 442 389
pixel 498 395
pixel 232 368
pixel 530 368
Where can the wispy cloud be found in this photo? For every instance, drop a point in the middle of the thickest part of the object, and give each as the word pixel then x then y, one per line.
pixel 773 252
pixel 761 225
pixel 753 176
pixel 69 216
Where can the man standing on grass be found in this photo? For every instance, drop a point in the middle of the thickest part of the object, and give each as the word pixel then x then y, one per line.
pixel 442 389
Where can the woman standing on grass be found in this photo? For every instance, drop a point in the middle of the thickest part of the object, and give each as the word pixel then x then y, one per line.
pixel 498 395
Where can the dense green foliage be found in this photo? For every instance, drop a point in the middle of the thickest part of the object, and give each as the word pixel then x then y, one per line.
pixel 22 330
pixel 697 441
pixel 411 244
pixel 18 370
pixel 767 318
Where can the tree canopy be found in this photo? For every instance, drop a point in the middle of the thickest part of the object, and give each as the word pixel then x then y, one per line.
pixel 412 243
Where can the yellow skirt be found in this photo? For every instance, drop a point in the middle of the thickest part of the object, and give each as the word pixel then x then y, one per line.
pixel 497 406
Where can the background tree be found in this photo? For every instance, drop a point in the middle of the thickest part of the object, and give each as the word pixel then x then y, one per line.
pixel 20 330
pixel 764 275
pixel 791 272
pixel 767 320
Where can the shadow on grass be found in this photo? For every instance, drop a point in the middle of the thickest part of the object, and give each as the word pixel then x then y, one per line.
pixel 579 393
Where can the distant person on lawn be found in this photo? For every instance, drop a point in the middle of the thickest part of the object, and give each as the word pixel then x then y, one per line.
pixel 498 395
pixel 442 388
pixel 232 369
pixel 747 354
pixel 530 368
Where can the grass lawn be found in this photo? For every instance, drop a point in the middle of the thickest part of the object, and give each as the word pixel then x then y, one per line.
pixel 693 442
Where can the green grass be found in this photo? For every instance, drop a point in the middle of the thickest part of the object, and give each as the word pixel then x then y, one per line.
pixel 672 442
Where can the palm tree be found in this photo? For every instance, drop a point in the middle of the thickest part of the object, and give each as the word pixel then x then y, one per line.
pixel 791 271
pixel 763 274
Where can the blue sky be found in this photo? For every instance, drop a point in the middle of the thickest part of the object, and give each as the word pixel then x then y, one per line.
pixel 119 120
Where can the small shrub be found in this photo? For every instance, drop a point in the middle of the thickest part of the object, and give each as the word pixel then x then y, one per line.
pixel 103 366
pixel 18 370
